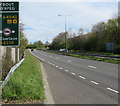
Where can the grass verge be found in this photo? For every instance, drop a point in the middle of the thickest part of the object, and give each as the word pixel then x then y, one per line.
pixel 109 60
pixel 26 83
pixel 99 53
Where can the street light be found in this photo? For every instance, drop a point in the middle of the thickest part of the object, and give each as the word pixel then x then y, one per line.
pixel 65 16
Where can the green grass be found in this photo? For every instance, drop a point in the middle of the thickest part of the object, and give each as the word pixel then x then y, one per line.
pixel 90 57
pixel 92 52
pixel 26 83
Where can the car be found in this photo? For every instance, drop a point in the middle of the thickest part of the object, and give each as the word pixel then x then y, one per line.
pixel 63 50
pixel 32 49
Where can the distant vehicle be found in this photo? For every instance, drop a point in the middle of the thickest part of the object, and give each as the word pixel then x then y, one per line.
pixel 63 50
pixel 32 49
pixel 47 48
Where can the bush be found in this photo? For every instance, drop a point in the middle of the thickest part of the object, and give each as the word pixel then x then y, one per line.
pixel 7 63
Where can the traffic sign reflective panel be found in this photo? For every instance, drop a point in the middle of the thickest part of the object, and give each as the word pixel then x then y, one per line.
pixel 7 31
pixel 9 16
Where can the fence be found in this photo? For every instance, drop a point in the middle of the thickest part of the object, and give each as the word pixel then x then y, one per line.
pixel 87 54
pixel 9 56
pixel 13 52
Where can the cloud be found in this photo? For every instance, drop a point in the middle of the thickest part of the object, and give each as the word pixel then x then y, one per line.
pixel 43 23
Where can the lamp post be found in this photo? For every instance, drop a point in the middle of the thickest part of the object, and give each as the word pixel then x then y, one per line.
pixel 65 16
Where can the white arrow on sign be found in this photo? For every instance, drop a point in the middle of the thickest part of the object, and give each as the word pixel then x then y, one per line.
pixel 13 31
pixel 0 31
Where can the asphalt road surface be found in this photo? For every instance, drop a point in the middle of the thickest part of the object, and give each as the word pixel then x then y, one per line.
pixel 80 81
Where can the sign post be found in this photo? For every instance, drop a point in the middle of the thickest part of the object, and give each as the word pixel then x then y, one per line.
pixel 9 29
pixel 110 46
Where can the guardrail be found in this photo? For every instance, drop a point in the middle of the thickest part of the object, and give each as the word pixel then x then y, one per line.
pixel 87 54
pixel 3 83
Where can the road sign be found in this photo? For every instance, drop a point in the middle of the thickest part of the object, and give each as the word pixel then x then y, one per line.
pixel 9 17
pixel 7 31
pixel 109 46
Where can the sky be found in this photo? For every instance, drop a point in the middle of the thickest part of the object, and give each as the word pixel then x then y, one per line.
pixel 41 20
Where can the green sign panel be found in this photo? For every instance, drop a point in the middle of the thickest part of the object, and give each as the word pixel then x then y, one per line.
pixel 9 29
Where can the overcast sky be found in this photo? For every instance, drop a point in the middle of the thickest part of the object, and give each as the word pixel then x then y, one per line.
pixel 43 23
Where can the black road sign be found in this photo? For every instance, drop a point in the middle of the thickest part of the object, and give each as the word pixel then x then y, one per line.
pixel 9 29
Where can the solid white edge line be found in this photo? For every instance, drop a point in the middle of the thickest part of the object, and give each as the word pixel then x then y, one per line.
pixel 94 82
pixel 37 57
pixel 82 77
pixel 49 98
pixel 43 60
pixel 112 90
pixel 56 66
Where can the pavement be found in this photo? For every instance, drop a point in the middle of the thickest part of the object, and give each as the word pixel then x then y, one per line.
pixel 80 81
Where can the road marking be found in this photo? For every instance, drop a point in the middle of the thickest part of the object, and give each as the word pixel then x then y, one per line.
pixel 94 82
pixel 43 60
pixel 73 73
pixel 112 90
pixel 53 64
pixel 82 77
pixel 50 63
pixel 56 66
pixel 66 70
pixel 61 68
pixel 68 60
pixel 91 66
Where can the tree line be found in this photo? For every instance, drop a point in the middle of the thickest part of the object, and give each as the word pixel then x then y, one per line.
pixel 37 45
pixel 96 40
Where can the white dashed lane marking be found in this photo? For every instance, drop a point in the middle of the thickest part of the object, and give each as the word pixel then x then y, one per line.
pixel 73 73
pixel 61 68
pixel 112 90
pixel 66 70
pixel 82 77
pixel 94 82
pixel 91 66
pixel 68 60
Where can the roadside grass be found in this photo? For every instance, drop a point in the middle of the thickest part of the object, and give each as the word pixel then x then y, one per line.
pixel 92 52
pixel 26 83
pixel 109 60
pixel 99 53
